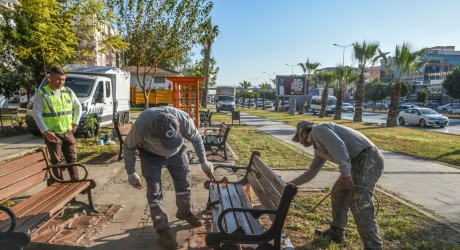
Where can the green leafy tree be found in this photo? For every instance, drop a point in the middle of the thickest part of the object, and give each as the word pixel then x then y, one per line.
pixel 200 70
pixel 308 67
pixel 376 91
pixel 346 77
pixel 265 88
pixel 207 40
pixel 366 54
pixel 452 83
pixel 422 96
pixel 325 78
pixel 160 32
pixel 406 60
pixel 245 85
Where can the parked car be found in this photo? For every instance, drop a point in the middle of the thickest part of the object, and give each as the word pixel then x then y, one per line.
pixel 455 109
pixel 432 104
pixel 423 117
pixel 406 106
pixel 347 107
pixel 444 108
pixel 380 106
pixel 15 97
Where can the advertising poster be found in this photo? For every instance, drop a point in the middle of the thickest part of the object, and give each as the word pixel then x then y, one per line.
pixel 290 85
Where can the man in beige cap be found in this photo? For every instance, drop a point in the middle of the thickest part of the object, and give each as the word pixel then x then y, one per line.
pixel 360 164
pixel 158 135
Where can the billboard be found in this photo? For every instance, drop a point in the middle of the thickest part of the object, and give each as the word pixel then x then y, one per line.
pixel 290 85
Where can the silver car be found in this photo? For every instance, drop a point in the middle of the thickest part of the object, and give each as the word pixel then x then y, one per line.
pixel 347 107
pixel 423 117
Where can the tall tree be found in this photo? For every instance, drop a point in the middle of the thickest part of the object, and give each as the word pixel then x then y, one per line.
pixel 375 91
pixel 406 60
pixel 308 67
pixel 452 83
pixel 422 96
pixel 207 40
pixel 160 32
pixel 366 54
pixel 346 76
pixel 325 78
pixel 245 85
pixel 265 88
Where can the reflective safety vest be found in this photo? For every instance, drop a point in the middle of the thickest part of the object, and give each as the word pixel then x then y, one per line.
pixel 57 112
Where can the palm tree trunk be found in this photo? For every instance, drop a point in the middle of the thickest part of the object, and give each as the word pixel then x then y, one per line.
pixel 358 117
pixel 338 109
pixel 394 111
pixel 323 102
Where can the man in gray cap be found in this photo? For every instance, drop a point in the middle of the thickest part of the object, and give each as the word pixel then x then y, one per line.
pixel 360 164
pixel 158 136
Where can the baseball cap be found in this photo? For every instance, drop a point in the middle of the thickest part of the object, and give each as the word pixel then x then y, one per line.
pixel 301 125
pixel 167 128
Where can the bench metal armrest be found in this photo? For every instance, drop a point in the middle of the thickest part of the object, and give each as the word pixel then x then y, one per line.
pixel 68 166
pixel 256 213
pixel 12 217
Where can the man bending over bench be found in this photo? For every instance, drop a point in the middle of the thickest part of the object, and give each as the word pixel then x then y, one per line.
pixel 158 134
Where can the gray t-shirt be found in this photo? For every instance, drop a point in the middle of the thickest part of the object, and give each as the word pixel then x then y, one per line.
pixel 143 135
pixel 335 143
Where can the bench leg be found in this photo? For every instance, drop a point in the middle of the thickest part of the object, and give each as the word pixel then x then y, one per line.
pixel 90 200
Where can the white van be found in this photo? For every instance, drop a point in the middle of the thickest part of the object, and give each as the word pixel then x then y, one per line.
pixel 315 105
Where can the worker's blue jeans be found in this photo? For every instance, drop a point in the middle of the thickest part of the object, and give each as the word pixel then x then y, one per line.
pixel 178 167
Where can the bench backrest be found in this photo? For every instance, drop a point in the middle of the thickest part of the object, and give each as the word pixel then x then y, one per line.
pixel 123 130
pixel 20 175
pixel 8 112
pixel 272 191
pixel 223 131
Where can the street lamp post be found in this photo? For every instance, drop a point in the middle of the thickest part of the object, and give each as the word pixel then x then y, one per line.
pixel 343 60
pixel 269 74
pixel 292 67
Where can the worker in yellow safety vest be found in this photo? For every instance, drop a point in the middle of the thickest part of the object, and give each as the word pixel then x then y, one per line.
pixel 57 111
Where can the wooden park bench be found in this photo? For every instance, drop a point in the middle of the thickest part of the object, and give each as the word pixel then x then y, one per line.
pixel 235 214
pixel 8 114
pixel 122 132
pixel 21 221
pixel 216 140
pixel 205 118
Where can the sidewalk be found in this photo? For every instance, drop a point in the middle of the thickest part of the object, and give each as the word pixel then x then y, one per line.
pixel 429 184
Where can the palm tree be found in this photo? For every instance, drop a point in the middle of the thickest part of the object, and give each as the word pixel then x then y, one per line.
pixel 265 88
pixel 307 67
pixel 366 54
pixel 245 85
pixel 326 78
pixel 346 77
pixel 210 33
pixel 405 61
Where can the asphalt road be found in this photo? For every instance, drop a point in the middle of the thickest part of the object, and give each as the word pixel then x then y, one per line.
pixel 452 128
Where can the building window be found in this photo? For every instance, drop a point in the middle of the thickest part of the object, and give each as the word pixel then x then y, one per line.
pixel 159 79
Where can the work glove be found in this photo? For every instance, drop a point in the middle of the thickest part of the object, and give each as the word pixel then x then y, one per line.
pixel 134 180
pixel 208 168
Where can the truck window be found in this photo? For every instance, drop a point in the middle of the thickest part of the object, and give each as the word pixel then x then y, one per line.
pixel 99 93
pixel 107 89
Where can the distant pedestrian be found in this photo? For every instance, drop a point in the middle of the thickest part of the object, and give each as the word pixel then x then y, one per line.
pixel 158 136
pixel 360 164
pixel 57 111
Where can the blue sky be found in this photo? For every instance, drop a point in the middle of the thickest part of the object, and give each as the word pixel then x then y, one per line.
pixel 259 36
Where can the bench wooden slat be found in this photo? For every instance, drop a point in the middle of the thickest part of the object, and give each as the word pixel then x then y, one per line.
pixel 230 222
pixel 57 203
pixel 259 189
pixel 19 187
pixel 216 209
pixel 241 218
pixel 22 162
pixel 255 224
pixel 36 168
pixel 269 174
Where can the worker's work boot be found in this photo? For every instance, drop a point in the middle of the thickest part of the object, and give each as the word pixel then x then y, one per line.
pixel 167 241
pixel 334 234
pixel 190 218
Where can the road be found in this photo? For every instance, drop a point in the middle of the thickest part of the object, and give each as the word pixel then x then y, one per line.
pixel 452 128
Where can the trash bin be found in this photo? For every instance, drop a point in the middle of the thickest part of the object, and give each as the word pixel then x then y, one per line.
pixel 236 116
